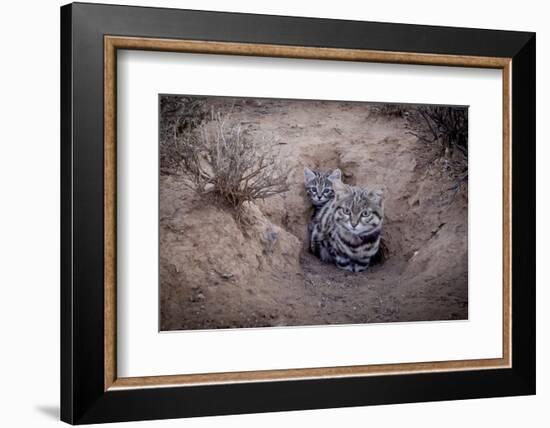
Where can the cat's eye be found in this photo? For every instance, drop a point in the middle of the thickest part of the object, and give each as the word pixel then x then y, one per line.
pixel 346 211
pixel 313 190
pixel 366 213
pixel 327 191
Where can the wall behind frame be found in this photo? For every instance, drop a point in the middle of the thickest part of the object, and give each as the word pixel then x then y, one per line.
pixel 29 219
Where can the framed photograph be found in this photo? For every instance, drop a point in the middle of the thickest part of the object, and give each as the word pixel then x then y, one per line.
pixel 267 213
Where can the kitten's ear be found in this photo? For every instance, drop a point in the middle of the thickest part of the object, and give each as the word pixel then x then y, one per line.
pixel 377 196
pixel 335 175
pixel 308 175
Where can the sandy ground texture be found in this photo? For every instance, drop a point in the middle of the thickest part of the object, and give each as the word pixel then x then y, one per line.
pixel 214 273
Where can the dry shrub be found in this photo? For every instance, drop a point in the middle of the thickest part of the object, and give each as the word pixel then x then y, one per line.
pixel 447 126
pixel 179 115
pixel 223 160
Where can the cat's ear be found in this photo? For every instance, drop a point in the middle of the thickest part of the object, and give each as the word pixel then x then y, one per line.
pixel 335 175
pixel 308 175
pixel 376 196
pixel 339 187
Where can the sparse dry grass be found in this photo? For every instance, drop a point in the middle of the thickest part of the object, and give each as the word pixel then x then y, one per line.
pixel 397 110
pixel 180 115
pixel 220 158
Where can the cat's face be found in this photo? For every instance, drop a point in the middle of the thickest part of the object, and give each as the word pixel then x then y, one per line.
pixel 358 210
pixel 319 185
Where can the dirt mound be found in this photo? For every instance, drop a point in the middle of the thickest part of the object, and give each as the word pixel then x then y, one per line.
pixel 250 263
pixel 217 273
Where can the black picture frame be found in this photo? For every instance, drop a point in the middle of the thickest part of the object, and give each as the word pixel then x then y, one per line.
pixel 83 396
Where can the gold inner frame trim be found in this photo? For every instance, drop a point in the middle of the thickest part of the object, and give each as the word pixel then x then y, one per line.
pixel 113 43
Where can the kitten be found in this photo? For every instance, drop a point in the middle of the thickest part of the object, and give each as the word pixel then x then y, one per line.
pixel 319 186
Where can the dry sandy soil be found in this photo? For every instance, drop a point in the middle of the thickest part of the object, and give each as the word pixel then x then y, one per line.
pixel 216 273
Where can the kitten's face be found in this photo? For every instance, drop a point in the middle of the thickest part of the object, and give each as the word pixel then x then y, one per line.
pixel 319 185
pixel 359 210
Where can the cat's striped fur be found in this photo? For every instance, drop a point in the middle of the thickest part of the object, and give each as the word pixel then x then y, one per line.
pixel 346 231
